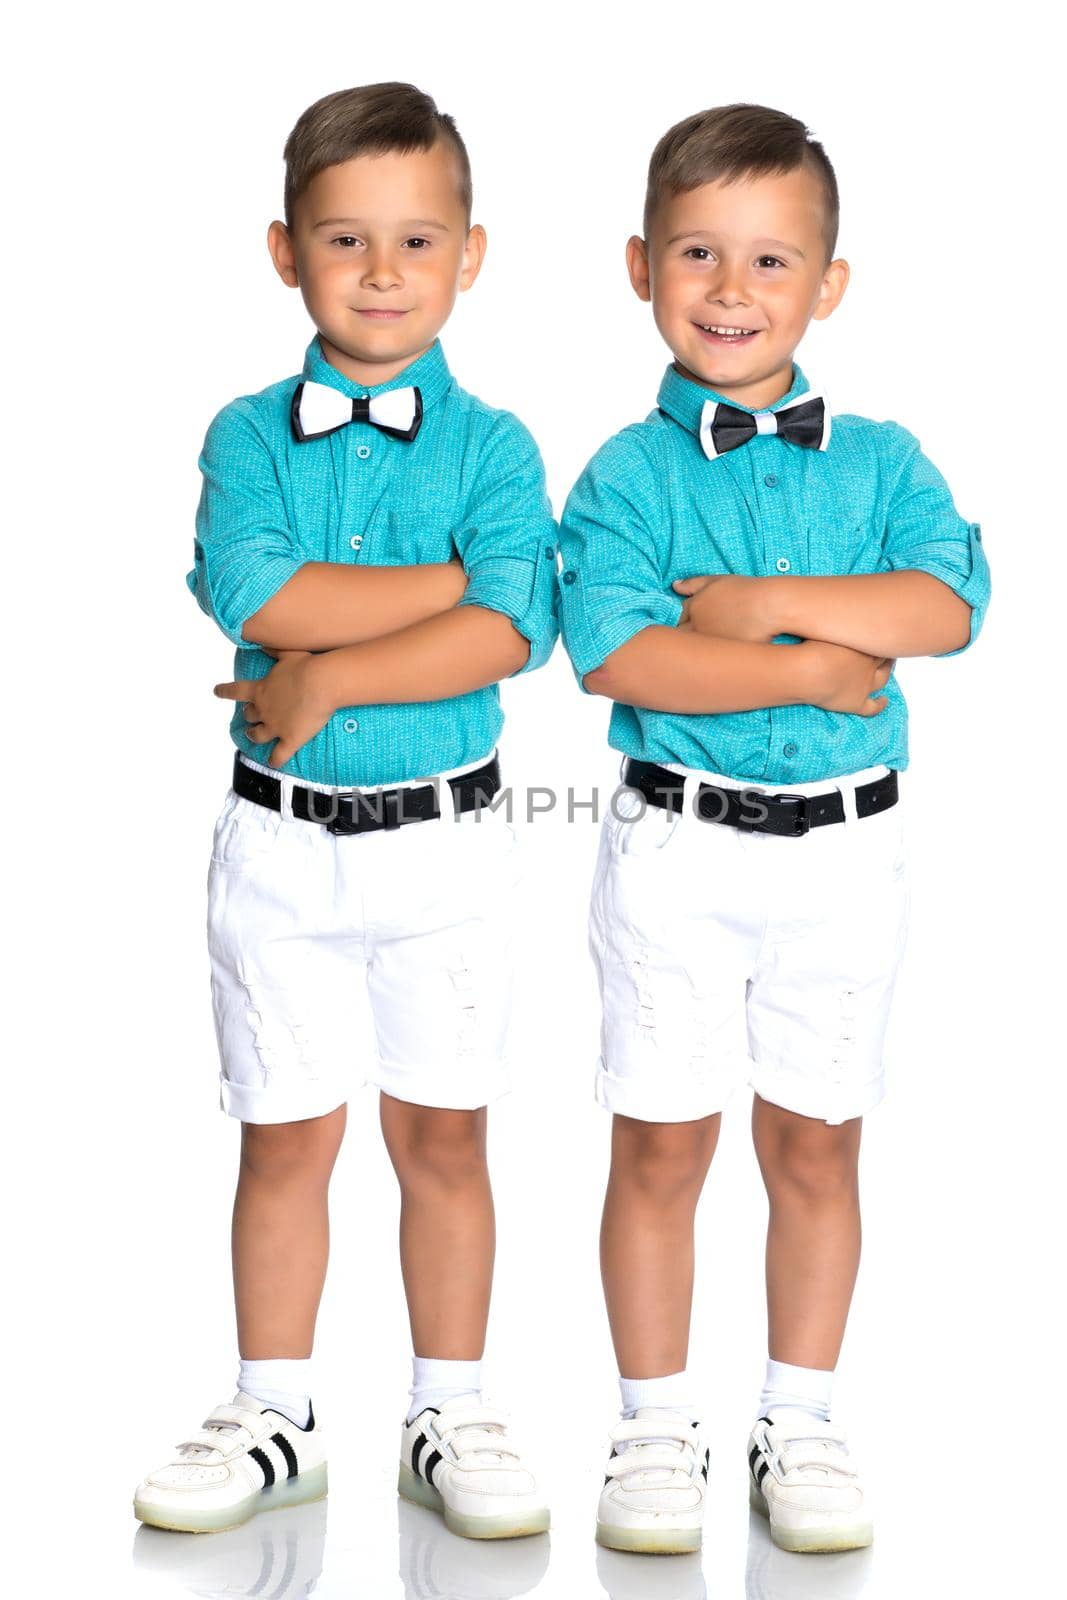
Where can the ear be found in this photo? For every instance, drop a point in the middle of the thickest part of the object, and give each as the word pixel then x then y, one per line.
pixel 833 286
pixel 473 255
pixel 638 268
pixel 282 254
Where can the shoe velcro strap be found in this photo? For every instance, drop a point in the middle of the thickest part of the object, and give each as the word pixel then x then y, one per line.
pixel 798 1456
pixel 648 1458
pixel 447 1422
pixel 253 1422
pixel 660 1427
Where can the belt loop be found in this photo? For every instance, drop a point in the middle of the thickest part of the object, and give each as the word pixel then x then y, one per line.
pixel 847 791
pixel 285 808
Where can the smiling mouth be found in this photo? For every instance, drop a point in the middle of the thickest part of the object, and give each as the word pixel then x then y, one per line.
pixel 379 312
pixel 726 331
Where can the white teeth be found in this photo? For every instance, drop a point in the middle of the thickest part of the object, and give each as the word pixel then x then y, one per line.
pixel 710 328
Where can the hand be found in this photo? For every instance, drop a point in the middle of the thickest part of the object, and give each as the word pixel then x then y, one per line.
pixel 290 704
pixel 729 606
pixel 845 679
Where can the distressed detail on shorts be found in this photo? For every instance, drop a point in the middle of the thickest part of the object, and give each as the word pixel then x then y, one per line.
pixel 281 1043
pixel 646 1010
pixel 463 984
pixel 846 1038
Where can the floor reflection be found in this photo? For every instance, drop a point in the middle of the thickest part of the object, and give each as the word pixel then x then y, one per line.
pixel 438 1565
pixel 773 1574
pixel 277 1555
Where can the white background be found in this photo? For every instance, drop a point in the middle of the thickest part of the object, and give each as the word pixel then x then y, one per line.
pixel 143 167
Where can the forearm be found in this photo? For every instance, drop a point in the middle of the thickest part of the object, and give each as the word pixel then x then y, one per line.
pixel 678 669
pixel 328 604
pixel 884 613
pixel 453 653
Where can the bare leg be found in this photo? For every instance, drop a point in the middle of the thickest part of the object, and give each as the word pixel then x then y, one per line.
pixel 811 1172
pixel 281 1233
pixel 646 1239
pixel 447 1227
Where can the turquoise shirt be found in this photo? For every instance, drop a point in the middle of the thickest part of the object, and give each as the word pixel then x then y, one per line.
pixel 650 508
pixel 471 481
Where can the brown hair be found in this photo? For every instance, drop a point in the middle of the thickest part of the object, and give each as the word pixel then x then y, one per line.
pixel 738 141
pixel 369 120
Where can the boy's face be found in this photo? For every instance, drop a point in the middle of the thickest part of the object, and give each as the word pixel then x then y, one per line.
pixel 744 255
pixel 379 250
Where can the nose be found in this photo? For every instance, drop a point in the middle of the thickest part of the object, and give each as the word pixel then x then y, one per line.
pixel 380 270
pixel 728 287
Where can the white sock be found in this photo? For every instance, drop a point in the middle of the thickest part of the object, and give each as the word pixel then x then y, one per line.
pixel 433 1382
pixel 672 1393
pixel 802 1388
pixel 283 1385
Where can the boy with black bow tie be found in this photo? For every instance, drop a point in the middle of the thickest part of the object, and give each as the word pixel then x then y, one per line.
pixel 386 538
pixel 740 571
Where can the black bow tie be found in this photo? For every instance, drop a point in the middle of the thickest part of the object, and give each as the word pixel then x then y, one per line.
pixel 805 421
pixel 318 409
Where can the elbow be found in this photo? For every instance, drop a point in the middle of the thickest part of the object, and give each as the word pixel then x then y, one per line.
pixel 601 680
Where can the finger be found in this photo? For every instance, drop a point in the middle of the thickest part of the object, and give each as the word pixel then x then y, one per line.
pixel 240 690
pixel 688 585
pixel 257 732
pixel 872 707
pixel 250 712
pixel 280 754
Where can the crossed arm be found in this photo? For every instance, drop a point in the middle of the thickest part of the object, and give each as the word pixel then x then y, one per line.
pixel 720 656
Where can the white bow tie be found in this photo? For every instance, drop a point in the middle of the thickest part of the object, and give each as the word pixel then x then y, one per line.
pixel 319 409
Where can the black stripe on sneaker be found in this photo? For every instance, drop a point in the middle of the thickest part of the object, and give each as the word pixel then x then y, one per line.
pixel 432 1461
pixel 263 1463
pixel 416 1452
pixel 704 1468
pixel 761 1474
pixel 753 1457
pixel 287 1451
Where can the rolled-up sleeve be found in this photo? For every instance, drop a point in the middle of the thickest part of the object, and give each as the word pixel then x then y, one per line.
pixel 612 584
pixel 925 532
pixel 508 537
pixel 243 551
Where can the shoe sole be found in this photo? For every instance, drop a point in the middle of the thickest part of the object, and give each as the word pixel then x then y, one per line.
pixel 409 1487
pixel 649 1541
pixel 306 1487
pixel 812 1541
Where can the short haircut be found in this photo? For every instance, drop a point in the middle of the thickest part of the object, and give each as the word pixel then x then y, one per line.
pixel 369 120
pixel 739 141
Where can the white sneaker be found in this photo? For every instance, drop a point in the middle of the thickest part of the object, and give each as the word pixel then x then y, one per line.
pixel 244 1459
pixel 653 1495
pixel 803 1480
pixel 459 1460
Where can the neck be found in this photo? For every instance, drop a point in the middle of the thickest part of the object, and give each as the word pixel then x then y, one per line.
pixel 757 394
pixel 366 372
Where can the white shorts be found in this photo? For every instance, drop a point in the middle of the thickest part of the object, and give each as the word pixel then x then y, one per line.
pixel 303 924
pixel 728 957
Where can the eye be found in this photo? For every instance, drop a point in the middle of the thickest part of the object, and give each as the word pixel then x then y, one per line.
pixel 345 239
pixel 417 241
pixel 698 252
pixel 773 259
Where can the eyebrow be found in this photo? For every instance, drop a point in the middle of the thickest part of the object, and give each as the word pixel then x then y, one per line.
pixel 696 233
pixel 411 222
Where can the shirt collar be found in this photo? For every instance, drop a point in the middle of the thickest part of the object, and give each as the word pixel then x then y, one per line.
pixel 429 372
pixel 683 399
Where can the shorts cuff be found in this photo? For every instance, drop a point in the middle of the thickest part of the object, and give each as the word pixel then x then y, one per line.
pixel 291 1103
pixel 826 1102
pixel 429 1086
pixel 649 1103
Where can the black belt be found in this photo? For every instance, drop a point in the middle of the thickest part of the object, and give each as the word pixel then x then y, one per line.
pixel 787 814
pixel 362 811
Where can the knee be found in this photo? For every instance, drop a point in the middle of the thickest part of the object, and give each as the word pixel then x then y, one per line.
pixel 439 1149
pixel 284 1152
pixel 813 1170
pixel 664 1161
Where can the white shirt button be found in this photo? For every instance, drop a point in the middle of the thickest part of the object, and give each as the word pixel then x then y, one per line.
pixel 356 540
pixel 782 564
pixel 350 724
pixel 363 451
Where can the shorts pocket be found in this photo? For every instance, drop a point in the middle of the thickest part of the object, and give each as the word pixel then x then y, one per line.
pixel 635 827
pixel 244 832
